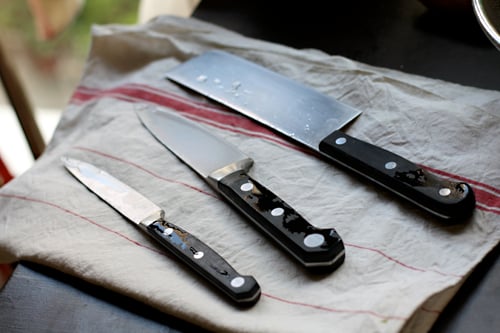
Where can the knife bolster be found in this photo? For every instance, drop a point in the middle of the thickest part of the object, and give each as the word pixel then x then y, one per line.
pixel 241 165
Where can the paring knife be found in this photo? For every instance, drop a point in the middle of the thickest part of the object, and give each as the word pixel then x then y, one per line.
pixel 225 168
pixel 244 290
pixel 313 119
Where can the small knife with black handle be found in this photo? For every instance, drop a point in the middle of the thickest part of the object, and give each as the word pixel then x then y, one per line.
pixel 244 290
pixel 226 169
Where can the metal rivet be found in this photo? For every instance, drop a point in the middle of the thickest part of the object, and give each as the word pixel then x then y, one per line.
pixel 237 282
pixel 391 165
pixel 277 211
pixel 314 240
pixel 168 231
pixel 341 140
pixel 198 255
pixel 246 187
pixel 444 192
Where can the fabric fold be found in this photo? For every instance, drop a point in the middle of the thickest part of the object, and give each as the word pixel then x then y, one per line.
pixel 402 266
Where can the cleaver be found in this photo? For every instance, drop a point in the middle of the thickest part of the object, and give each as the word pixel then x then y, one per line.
pixel 314 119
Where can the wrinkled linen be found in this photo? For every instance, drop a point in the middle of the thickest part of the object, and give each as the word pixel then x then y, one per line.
pixel 402 265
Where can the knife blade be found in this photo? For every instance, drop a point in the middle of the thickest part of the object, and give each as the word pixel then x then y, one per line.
pixel 244 290
pixel 314 120
pixel 226 169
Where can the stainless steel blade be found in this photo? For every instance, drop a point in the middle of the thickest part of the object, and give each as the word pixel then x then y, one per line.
pixel 314 120
pixel 287 106
pixel 208 155
pixel 120 196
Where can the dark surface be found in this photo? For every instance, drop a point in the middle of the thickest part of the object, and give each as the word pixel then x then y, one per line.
pixel 476 306
pixel 398 34
pixel 39 299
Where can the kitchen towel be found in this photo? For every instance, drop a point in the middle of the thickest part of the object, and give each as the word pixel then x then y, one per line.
pixel 402 265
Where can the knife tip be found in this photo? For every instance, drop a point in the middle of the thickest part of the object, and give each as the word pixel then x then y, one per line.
pixel 69 162
pixel 65 159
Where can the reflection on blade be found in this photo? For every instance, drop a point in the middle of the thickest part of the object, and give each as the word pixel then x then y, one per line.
pixel 193 144
pixel 285 105
pixel 123 198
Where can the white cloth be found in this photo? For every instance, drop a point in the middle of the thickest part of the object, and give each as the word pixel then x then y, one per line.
pixel 402 266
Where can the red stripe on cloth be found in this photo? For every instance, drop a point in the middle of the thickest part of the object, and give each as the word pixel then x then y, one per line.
pixel 5 175
pixel 146 170
pixel 467 180
pixel 360 247
pixel 139 244
pixel 34 200
pixel 487 196
pixel 400 263
pixel 336 310
pixel 209 114
pixel 487 199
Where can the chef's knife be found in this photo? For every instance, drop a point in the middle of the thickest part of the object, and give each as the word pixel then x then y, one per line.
pixel 225 168
pixel 313 119
pixel 244 290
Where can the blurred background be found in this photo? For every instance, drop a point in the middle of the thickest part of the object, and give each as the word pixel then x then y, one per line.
pixel 441 39
pixel 48 67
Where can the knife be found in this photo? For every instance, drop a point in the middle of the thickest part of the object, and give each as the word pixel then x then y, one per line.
pixel 225 168
pixel 244 290
pixel 314 119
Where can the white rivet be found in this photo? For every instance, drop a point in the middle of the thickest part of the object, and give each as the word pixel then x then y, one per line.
pixel 237 282
pixel 444 192
pixel 198 255
pixel 341 140
pixel 168 231
pixel 391 165
pixel 277 211
pixel 314 240
pixel 246 187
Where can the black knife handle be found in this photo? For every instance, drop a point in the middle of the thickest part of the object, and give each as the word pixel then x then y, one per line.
pixel 244 290
pixel 312 246
pixel 444 198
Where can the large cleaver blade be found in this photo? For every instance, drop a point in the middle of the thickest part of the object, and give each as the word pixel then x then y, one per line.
pixel 314 119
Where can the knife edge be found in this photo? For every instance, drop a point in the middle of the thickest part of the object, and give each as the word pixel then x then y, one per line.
pixel 242 289
pixel 313 119
pixel 311 246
